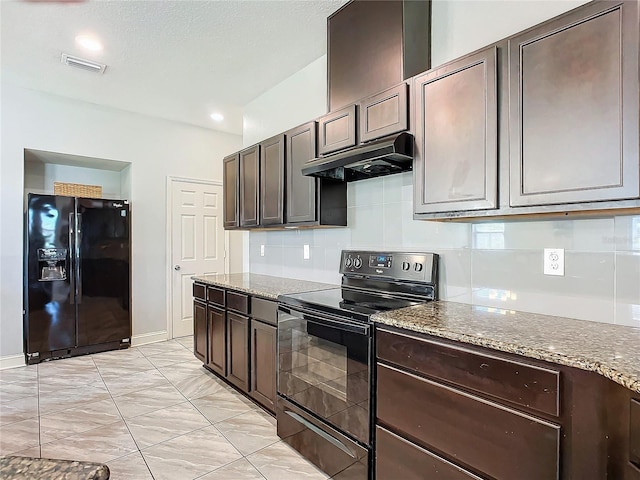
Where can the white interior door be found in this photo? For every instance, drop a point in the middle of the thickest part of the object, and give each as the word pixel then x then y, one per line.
pixel 197 245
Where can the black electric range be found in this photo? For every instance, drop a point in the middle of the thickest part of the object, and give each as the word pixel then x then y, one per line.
pixel 326 356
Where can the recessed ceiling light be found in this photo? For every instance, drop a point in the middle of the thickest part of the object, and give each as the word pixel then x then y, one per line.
pixel 217 117
pixel 89 43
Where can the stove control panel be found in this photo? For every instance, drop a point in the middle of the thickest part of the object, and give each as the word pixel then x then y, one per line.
pixel 421 267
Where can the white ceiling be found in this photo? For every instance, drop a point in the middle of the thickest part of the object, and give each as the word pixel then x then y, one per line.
pixel 174 59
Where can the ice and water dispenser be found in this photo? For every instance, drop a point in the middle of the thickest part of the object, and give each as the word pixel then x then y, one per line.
pixel 52 264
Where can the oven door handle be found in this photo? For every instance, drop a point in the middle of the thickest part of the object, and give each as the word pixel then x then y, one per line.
pixel 337 323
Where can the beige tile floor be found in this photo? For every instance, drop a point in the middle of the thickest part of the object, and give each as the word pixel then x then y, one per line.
pixel 150 412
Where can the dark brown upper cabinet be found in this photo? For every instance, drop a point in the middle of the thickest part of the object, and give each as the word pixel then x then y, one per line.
pixel 372 46
pixel 230 190
pixel 337 130
pixel 456 116
pixel 301 190
pixel 249 186
pixel 310 201
pixel 574 107
pixel 272 177
pixel 385 113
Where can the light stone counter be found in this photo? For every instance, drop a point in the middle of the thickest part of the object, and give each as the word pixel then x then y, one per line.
pixel 610 350
pixel 262 285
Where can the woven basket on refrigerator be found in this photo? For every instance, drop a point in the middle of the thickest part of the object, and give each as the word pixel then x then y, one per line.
pixel 77 190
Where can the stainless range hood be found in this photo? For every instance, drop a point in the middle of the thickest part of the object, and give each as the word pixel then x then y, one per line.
pixel 389 155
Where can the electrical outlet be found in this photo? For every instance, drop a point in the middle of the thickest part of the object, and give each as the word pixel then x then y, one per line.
pixel 554 261
pixel 306 254
pixel 262 250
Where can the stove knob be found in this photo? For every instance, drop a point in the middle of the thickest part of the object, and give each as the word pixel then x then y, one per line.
pixel 418 267
pixel 357 263
pixel 406 266
pixel 348 262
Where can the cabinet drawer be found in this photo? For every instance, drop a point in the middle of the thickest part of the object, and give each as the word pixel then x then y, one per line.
pixel 238 302
pixel 634 433
pixel 500 442
pixel 215 295
pixel 199 291
pixel 337 130
pixel 384 114
pixel 527 385
pixel 416 464
pixel 264 310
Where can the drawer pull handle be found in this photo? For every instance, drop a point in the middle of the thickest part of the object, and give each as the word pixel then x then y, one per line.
pixel 320 432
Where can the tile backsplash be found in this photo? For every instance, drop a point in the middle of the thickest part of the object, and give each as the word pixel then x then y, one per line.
pixel 496 264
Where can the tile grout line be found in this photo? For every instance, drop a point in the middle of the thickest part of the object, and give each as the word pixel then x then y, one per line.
pixel 126 426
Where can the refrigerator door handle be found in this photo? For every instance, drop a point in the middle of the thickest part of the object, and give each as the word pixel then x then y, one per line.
pixel 72 251
pixel 79 259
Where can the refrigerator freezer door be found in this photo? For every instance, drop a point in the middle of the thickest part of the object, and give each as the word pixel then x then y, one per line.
pixel 103 280
pixel 50 320
pixel 103 271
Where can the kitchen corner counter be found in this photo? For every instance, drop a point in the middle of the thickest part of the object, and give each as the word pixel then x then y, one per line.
pixel 610 350
pixel 17 468
pixel 262 285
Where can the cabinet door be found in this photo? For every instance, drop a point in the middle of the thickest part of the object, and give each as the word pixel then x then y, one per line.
pixel 574 107
pixel 337 130
pixel 230 190
pixel 272 181
pixel 249 186
pixel 263 364
pixel 456 110
pixel 238 350
pixel 217 340
pixel 385 113
pixel 200 331
pixel 301 190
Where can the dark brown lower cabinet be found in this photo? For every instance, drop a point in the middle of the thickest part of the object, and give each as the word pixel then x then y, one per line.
pixel 217 345
pixel 200 331
pixel 238 350
pixel 451 411
pixel 235 337
pixel 397 458
pixel 499 442
pixel 263 363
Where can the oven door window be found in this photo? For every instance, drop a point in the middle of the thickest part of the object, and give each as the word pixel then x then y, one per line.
pixel 325 369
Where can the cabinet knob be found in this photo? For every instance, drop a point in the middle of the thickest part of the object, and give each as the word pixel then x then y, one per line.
pixel 177 268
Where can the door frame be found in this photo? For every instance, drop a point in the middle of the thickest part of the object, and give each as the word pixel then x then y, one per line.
pixel 171 179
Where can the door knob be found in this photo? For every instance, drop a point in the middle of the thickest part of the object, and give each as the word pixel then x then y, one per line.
pixel 177 268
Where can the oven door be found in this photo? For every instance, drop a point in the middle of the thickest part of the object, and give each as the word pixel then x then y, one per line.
pixel 324 367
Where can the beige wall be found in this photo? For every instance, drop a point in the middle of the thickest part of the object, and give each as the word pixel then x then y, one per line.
pixel 155 148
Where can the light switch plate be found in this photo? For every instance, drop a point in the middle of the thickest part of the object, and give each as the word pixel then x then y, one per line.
pixel 306 254
pixel 554 261
pixel 262 250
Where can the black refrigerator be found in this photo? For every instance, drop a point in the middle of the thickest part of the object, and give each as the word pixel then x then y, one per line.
pixel 77 276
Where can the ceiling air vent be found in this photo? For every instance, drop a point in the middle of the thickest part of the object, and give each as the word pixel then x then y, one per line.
pixel 82 63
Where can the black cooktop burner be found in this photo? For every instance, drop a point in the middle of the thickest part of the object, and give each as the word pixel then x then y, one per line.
pixel 346 303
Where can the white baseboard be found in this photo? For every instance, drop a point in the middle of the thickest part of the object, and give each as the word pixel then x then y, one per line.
pixel 152 337
pixel 12 361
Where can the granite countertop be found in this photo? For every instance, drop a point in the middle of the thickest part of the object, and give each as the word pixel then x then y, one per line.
pixel 28 468
pixel 262 285
pixel 610 350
